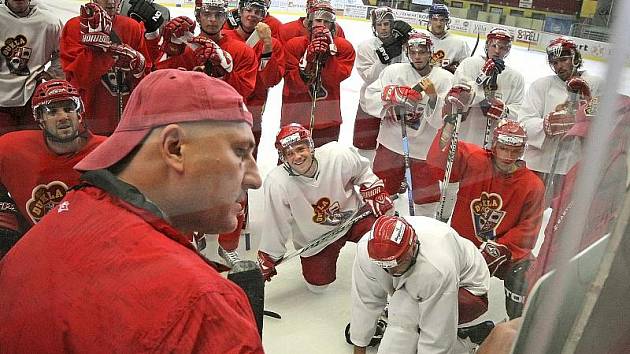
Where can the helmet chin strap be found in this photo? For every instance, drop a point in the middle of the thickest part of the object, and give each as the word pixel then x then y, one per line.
pixel 292 173
pixel 55 139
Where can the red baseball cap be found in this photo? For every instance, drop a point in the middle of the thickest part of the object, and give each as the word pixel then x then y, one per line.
pixel 164 97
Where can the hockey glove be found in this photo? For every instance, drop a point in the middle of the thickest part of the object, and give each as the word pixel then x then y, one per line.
pixel 401 30
pixel 144 11
pixel 216 61
pixel 377 198
pixel 392 47
pixel 267 265
pixel 494 108
pixel 177 32
pixel 319 44
pixel 558 123
pixel 489 68
pixel 579 86
pixel 128 59
pixel 497 257
pixel 459 98
pixel 233 19
pixel 396 95
pixel 95 26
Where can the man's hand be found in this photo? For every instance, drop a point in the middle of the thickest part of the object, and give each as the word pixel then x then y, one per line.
pixel 177 32
pixel 144 11
pixel 489 68
pixel 377 198
pixel 497 257
pixel 95 26
pixel 558 123
pixel 128 59
pixel 494 108
pixel 319 44
pixel 459 98
pixel 267 265
pixel 397 95
pixel 392 47
pixel 209 53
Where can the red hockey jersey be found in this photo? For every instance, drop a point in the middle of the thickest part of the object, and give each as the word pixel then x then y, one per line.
pixel 245 65
pixel 507 208
pixel 90 71
pixel 296 29
pixel 296 99
pixel 36 177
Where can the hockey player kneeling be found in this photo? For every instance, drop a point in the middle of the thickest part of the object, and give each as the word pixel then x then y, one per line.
pixel 313 194
pixel 434 279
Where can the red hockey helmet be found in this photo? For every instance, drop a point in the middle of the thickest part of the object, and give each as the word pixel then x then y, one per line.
pixel 320 10
pixel 499 34
pixel 510 132
pixel 390 239
pixel 291 134
pixel 420 39
pixel 55 91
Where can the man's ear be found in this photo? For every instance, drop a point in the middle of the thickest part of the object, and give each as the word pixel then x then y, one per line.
pixel 171 142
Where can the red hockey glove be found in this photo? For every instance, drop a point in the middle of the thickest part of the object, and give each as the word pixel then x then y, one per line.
pixel 489 68
pixel 558 123
pixel 216 61
pixel 494 108
pixel 497 257
pixel 377 198
pixel 319 44
pixel 459 97
pixel 95 26
pixel 177 32
pixel 128 59
pixel 267 265
pixel 396 95
pixel 579 86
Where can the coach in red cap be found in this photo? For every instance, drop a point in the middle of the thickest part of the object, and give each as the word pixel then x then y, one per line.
pixel 112 269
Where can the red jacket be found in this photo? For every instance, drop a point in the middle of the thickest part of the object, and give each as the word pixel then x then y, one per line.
pixel 296 99
pixel 269 76
pixel 89 69
pixel 244 69
pixel 35 176
pixel 117 278
pixel 490 204
pixel 296 29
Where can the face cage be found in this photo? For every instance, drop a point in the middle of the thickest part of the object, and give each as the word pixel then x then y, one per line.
pixel 574 61
pixel 309 142
pixel 394 263
pixel 506 53
pixel 207 8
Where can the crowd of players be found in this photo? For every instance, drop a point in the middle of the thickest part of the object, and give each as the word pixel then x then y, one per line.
pixel 456 132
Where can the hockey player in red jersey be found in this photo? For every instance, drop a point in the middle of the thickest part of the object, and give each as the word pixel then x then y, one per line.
pixel 234 20
pixel 316 65
pixel 271 68
pixel 35 168
pixel 104 55
pixel 313 192
pixel 212 52
pixel 300 27
pixel 499 203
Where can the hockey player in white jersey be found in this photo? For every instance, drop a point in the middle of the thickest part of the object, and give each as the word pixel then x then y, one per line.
pixel 29 37
pixel 374 55
pixel 499 89
pixel 434 278
pixel 416 90
pixel 311 193
pixel 448 51
pixel 548 111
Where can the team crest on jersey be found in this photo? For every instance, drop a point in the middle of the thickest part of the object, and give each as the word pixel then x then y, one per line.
pixel 327 213
pixel 439 58
pixel 487 214
pixel 44 198
pixel 16 54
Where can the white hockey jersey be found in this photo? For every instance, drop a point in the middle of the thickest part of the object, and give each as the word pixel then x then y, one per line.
pixel 448 49
pixel 423 308
pixel 305 208
pixel 368 65
pixel 28 44
pixel 542 98
pixel 420 138
pixel 511 89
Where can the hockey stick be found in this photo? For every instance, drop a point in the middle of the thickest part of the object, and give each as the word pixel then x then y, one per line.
pixel 315 88
pixel 119 98
pixel 490 91
pixel 449 166
pixel 407 162
pixel 476 45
